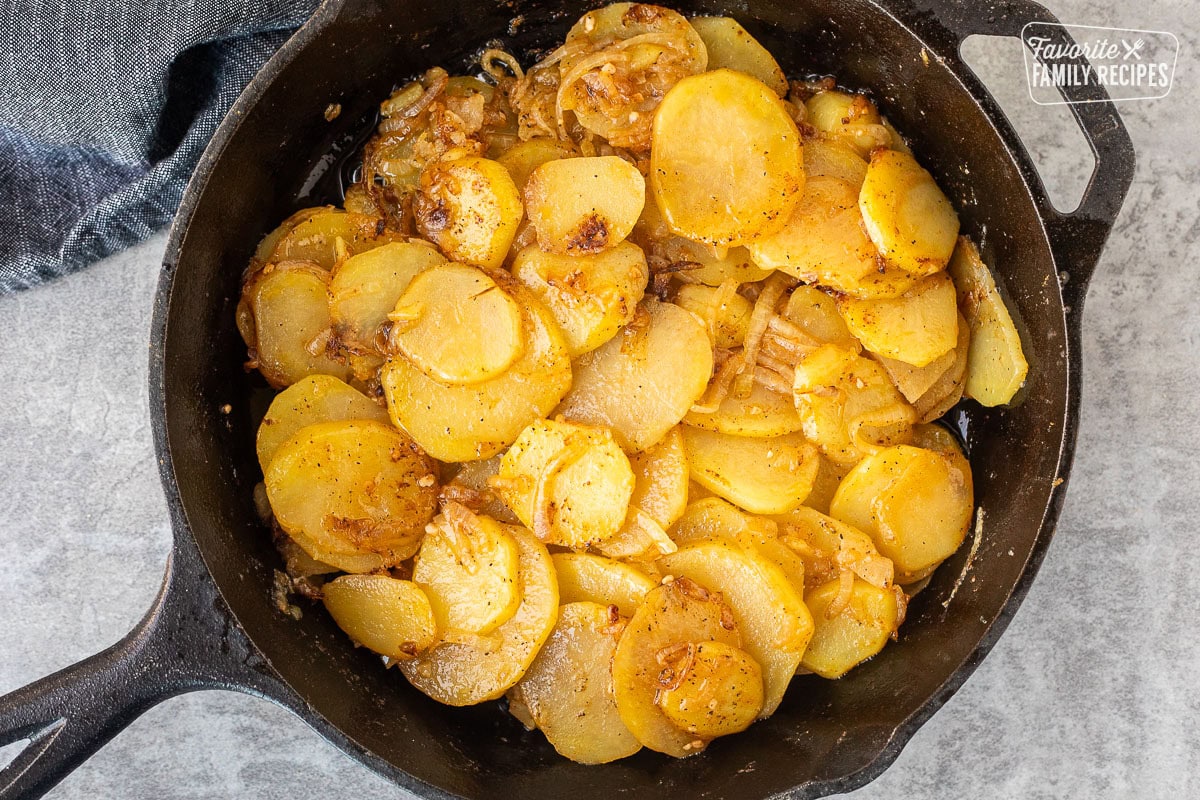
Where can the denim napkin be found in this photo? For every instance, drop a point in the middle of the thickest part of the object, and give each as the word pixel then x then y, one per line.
pixel 105 108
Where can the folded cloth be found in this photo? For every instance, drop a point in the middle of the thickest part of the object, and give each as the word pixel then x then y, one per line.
pixel 105 108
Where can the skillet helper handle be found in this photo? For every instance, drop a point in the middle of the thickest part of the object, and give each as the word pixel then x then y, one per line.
pixel 186 642
pixel 1077 237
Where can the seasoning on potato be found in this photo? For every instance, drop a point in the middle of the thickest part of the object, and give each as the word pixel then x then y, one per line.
pixel 609 390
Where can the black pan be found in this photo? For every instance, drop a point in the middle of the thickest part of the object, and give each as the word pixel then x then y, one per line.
pixel 214 624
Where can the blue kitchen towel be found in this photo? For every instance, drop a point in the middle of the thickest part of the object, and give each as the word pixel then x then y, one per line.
pixel 105 108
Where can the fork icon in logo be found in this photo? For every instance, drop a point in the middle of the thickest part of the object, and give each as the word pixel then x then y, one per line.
pixel 1134 50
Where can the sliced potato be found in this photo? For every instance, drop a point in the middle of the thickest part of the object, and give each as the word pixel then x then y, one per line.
pixel 848 404
pixel 364 288
pixel 817 315
pixel 266 247
pixel 850 626
pixel 713 265
pixel 906 215
pixel 470 208
pixel 642 382
pixel 715 689
pixel 596 579
pixel 834 159
pixel 916 504
pixel 569 483
pixel 675 614
pixel 850 119
pixel 457 325
pixel 390 616
pixel 714 518
pixel 580 206
pixel 916 327
pixel 315 237
pixel 742 178
pixel 912 381
pixel 470 668
pixel 823 240
pixel 524 157
pixel 726 313
pixel 762 475
pixel 730 46
pixel 996 366
pixel 568 688
pixel 353 494
pixel 770 613
pixel 468 567
pixel 829 547
pixel 468 423
pixel 947 390
pixel 762 413
pixel 661 478
pixel 288 304
pixel 829 475
pixel 591 296
pixel 317 398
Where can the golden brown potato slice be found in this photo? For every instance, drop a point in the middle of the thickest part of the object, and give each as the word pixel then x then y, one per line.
pixel 672 617
pixel 642 382
pixel 317 398
pixel 916 327
pixel 353 494
pixel 850 119
pixel 762 475
pixel 762 413
pixel 851 626
pixel 580 206
pixel 834 159
pixel 315 237
pixel 715 689
pixel 916 504
pixel 364 288
pixel 468 567
pixel 996 366
pixel 724 311
pixel 591 296
pixel 848 404
pixel 661 475
pixel 289 307
pixel 829 475
pixel 470 208
pixel 816 313
pixel 769 611
pixel 568 689
pixel 947 390
pixel 468 423
pixel 524 157
pixel 570 484
pixel 907 216
pixel 912 381
pixel 730 46
pixel 390 616
pixel 829 547
pixel 467 669
pixel 714 518
pixel 596 579
pixel 457 325
pixel 741 179
pixel 266 247
pixel 823 240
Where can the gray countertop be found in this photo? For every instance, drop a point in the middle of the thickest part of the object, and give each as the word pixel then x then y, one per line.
pixel 1089 694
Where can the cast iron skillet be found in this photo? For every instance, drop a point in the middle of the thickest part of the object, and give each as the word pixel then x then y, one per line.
pixel 214 624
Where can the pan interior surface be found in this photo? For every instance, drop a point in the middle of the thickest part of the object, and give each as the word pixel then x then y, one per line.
pixel 285 155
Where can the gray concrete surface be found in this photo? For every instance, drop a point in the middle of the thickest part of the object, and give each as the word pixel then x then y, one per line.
pixel 1090 694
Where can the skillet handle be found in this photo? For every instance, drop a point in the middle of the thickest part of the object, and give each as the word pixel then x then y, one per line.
pixel 1077 237
pixel 187 641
